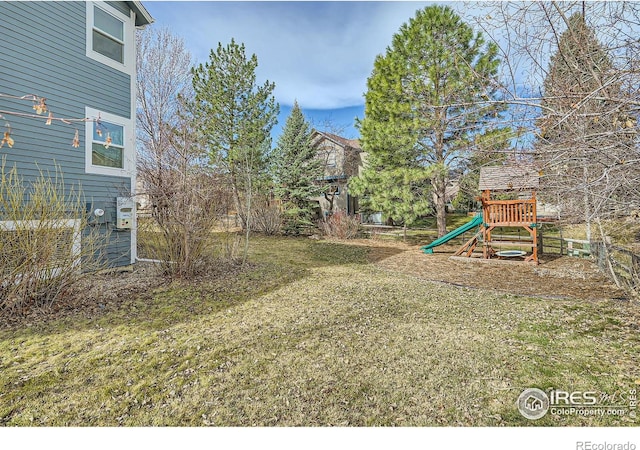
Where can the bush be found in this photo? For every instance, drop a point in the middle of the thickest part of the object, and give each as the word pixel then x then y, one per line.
pixel 339 225
pixel 266 216
pixel 296 220
pixel 187 205
pixel 47 244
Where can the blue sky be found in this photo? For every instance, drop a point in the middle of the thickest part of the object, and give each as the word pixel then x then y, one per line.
pixel 318 53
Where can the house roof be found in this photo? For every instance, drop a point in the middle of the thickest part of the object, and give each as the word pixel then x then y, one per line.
pixel 510 177
pixel 142 15
pixel 344 142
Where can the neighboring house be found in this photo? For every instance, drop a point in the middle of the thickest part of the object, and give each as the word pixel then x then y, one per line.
pixel 81 57
pixel 451 192
pixel 342 159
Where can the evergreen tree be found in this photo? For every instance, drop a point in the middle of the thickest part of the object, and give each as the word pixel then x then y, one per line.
pixel 586 132
pixel 296 170
pixel 579 68
pixel 426 99
pixel 236 116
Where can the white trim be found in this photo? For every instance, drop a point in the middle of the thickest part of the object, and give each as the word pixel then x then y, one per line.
pixel 129 65
pixel 329 153
pixel 143 13
pixel 128 153
pixel 134 165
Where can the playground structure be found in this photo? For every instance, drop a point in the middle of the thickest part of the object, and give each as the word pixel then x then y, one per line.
pixel 519 181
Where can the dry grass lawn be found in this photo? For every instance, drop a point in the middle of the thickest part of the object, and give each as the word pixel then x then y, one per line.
pixel 317 334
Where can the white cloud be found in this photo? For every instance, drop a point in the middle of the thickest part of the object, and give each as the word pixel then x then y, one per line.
pixel 318 53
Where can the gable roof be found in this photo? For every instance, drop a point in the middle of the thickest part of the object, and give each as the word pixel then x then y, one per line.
pixel 142 15
pixel 344 142
pixel 511 177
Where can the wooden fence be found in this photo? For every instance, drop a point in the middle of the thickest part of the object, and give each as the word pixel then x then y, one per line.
pixel 619 264
pixel 552 245
pixel 622 266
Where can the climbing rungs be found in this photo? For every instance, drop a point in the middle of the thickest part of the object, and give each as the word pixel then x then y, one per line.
pixel 510 244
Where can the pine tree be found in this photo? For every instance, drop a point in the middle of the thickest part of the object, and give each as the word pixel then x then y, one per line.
pixel 586 133
pixel 426 99
pixel 236 116
pixel 296 170
pixel 579 68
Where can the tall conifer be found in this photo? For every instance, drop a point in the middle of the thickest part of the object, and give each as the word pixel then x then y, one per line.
pixel 427 97
pixel 296 171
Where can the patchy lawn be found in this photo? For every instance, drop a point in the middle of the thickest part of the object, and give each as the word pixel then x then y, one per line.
pixel 313 333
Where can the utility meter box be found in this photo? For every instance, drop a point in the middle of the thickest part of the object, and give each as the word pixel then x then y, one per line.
pixel 125 209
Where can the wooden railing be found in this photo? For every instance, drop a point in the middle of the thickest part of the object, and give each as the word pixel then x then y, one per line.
pixel 509 212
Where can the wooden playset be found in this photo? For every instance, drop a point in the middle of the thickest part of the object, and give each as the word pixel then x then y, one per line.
pixel 519 181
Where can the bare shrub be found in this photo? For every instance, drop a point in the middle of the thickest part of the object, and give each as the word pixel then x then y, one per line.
pixel 266 216
pixel 340 225
pixel 187 197
pixel 231 247
pixel 47 243
pixel 186 207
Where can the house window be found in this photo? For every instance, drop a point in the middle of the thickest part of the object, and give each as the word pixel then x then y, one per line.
pixel 331 158
pixel 109 144
pixel 108 35
pixel 328 153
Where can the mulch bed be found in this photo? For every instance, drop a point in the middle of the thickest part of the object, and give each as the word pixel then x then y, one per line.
pixel 554 277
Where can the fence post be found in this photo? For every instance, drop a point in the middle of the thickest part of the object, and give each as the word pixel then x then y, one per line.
pixel 635 268
pixel 540 243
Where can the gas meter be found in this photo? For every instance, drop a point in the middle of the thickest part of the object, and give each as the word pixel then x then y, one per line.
pixel 125 209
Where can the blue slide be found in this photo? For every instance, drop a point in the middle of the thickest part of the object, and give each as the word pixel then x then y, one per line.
pixel 475 222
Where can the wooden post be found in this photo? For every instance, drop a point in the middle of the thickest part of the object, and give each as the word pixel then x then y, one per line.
pixel 534 235
pixel 635 270
pixel 540 242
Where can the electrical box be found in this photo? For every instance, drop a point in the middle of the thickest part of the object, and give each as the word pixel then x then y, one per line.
pixel 125 209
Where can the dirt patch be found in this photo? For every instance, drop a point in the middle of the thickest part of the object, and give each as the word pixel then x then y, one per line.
pixel 94 295
pixel 116 289
pixel 555 277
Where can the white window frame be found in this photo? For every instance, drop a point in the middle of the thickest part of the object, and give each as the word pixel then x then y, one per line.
pixel 330 154
pixel 128 152
pixel 76 246
pixel 128 33
pixel 332 157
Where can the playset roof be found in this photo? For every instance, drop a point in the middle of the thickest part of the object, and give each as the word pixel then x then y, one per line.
pixel 512 177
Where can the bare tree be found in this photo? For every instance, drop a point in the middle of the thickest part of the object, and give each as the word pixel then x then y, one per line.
pixel 187 205
pixel 163 77
pixel 186 197
pixel 571 75
pixel 40 108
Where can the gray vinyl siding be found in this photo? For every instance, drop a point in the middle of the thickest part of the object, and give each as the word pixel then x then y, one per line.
pixel 44 53
pixel 120 6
